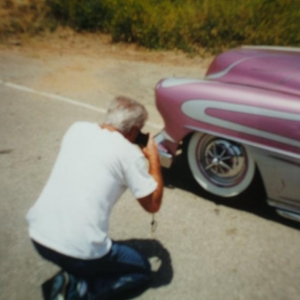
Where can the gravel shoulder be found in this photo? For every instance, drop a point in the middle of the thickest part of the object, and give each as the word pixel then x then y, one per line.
pixel 91 69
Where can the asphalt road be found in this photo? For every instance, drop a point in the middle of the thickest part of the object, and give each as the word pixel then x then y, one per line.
pixel 202 249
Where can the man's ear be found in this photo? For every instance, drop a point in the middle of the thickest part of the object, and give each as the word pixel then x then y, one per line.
pixel 132 134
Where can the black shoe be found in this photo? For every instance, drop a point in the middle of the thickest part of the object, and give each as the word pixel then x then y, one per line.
pixel 55 288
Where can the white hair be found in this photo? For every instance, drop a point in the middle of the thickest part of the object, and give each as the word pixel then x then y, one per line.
pixel 124 113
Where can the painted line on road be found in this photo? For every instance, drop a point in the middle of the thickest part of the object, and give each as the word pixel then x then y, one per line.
pixel 65 99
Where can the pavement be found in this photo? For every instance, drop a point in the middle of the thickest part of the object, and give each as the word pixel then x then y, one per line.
pixel 202 249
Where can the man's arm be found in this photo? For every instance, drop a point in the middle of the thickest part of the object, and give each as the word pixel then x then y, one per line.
pixel 152 202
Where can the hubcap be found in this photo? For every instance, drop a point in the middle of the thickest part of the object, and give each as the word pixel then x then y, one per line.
pixel 223 162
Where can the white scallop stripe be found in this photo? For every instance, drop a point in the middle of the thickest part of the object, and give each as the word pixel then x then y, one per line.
pixel 195 109
pixel 272 48
pixel 227 70
pixel 172 81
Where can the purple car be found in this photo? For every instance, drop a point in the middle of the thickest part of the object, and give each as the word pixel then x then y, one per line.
pixel 243 118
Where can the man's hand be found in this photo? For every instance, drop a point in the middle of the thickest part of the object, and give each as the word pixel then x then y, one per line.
pixel 152 202
pixel 150 151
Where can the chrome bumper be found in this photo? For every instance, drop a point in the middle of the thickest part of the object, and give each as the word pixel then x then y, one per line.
pixel 165 157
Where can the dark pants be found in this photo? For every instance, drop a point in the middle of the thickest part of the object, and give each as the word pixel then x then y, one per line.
pixel 122 269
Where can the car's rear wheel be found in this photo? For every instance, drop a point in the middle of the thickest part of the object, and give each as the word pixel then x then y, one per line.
pixel 220 166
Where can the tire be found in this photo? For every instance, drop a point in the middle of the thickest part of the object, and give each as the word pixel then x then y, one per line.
pixel 220 166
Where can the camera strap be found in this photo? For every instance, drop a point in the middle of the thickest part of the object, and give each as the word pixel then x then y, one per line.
pixel 153 224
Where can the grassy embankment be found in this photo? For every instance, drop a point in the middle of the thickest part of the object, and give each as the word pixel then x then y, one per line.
pixel 188 25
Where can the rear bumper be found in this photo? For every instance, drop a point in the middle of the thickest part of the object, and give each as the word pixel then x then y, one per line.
pixel 165 157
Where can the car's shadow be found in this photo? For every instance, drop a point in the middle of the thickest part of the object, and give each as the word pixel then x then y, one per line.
pixel 254 201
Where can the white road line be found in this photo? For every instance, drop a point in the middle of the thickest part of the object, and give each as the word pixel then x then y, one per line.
pixel 65 99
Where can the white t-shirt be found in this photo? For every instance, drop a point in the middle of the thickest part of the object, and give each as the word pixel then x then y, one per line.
pixel 94 167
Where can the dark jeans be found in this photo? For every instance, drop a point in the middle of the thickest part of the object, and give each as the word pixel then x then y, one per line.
pixel 120 270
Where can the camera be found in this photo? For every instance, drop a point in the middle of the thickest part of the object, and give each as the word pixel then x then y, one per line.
pixel 142 139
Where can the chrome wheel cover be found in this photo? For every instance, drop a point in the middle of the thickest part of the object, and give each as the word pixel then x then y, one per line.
pixel 221 161
pixel 222 167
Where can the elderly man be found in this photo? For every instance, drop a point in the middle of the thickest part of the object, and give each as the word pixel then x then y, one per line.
pixel 69 222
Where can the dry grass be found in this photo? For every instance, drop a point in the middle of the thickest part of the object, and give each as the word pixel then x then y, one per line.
pixel 21 17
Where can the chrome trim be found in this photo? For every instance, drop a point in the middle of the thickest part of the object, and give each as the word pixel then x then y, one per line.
pixel 288 215
pixel 163 136
pixel 165 158
pixel 168 137
pixel 287 206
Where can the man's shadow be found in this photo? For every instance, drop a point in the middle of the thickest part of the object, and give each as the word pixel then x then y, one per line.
pixel 162 273
pixel 253 200
pixel 160 259
pixel 100 288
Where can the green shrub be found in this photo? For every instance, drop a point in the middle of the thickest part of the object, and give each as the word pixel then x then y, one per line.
pixel 184 24
pixel 82 14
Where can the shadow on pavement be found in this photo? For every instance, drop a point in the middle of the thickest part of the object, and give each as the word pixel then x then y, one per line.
pixel 160 259
pixel 162 273
pixel 253 200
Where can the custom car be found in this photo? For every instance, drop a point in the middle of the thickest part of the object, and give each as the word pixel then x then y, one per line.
pixel 241 119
